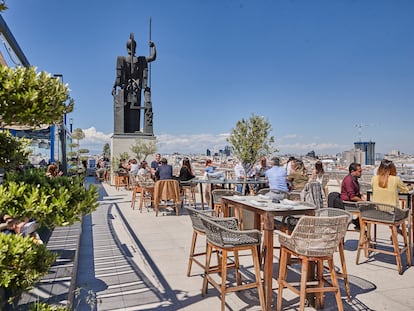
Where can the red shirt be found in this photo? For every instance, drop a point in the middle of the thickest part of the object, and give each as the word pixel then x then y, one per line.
pixel 349 188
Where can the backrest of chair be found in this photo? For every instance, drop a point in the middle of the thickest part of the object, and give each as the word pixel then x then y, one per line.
pixel 332 212
pixel 312 193
pixel 195 217
pixel 167 189
pixel 218 193
pixel 319 236
pixel 143 181
pixel 215 226
pixel 375 211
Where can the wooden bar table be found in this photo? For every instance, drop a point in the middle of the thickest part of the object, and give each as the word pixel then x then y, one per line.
pixel 265 210
pixel 225 183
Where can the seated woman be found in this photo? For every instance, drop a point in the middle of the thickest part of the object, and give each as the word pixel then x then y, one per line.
pixel 386 184
pixel 100 169
pixel 53 171
pixel 186 171
pixel 298 176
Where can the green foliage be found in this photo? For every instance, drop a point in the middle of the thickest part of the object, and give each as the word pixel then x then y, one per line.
pixel 31 98
pixel 143 149
pixel 13 151
pixel 52 202
pixel 106 150
pixel 251 139
pixel 3 6
pixel 42 306
pixel 22 262
pixel 83 150
pixel 78 134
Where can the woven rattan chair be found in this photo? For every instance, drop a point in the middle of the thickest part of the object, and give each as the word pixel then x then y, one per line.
pixel 223 235
pixel 372 213
pixel 188 193
pixel 198 229
pixel 314 239
pixel 217 194
pixel 166 190
pixel 334 212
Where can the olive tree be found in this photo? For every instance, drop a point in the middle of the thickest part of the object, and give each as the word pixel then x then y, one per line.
pixel 143 149
pixel 251 139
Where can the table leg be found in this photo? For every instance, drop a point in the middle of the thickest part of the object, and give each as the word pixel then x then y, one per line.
pixel 268 229
pixel 202 195
pixel 410 223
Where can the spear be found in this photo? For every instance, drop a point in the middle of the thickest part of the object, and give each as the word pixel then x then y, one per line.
pixel 150 37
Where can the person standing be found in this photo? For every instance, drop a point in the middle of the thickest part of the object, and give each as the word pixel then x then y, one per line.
pixel 155 164
pixel 318 174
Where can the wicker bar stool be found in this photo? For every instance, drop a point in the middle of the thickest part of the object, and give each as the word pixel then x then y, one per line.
pixel 373 213
pixel 216 196
pixel 314 239
pixel 198 229
pixel 223 235
pixel 333 212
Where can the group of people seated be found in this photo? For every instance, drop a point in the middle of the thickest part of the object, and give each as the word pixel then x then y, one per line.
pixel 385 184
pixel 281 178
pixel 159 169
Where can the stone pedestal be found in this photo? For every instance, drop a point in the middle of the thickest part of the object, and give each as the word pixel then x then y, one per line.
pixel 121 143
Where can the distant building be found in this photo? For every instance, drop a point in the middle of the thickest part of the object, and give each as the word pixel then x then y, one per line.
pixel 369 149
pixel 355 155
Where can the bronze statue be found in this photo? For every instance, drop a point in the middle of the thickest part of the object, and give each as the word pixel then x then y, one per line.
pixel 132 79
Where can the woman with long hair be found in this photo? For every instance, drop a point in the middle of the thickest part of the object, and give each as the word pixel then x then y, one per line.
pixel 386 184
pixel 186 171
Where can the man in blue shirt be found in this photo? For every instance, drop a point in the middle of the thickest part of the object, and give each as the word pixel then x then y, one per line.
pixel 276 176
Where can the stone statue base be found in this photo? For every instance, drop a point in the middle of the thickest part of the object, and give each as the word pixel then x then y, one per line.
pixel 121 143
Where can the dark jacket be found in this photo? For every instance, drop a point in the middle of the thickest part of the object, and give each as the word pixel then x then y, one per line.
pixel 164 171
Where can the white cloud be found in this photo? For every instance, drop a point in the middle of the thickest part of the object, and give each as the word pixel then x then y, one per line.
pixel 194 143
pixel 199 143
pixel 94 140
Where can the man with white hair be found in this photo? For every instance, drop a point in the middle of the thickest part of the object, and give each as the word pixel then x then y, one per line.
pixel 276 176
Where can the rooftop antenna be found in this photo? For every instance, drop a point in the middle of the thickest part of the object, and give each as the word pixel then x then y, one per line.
pixel 360 126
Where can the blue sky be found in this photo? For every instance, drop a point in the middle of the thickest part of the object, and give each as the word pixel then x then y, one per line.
pixel 315 69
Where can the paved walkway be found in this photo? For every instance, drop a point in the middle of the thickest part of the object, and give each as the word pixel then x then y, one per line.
pixel 135 261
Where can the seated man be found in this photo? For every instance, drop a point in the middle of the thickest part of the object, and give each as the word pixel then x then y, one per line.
pixel 350 187
pixel 276 176
pixel 164 171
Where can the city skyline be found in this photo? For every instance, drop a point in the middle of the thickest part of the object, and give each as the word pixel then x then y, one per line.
pixel 324 73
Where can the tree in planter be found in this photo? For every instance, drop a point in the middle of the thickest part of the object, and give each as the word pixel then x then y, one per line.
pixel 106 151
pixel 78 134
pixel 143 149
pixel 251 139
